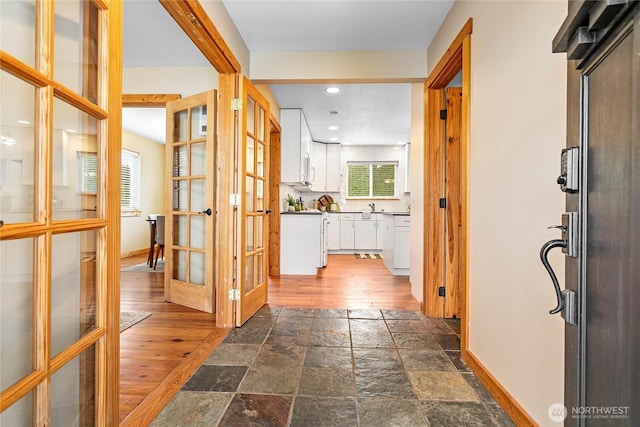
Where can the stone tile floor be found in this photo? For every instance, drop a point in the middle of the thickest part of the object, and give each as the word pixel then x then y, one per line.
pixel 328 367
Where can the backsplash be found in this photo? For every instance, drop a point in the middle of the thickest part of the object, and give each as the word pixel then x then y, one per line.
pixel 348 205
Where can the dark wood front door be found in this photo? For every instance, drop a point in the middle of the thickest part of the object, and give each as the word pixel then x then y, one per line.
pixel 602 380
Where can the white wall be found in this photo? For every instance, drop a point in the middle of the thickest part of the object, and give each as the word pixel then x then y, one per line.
pixel 416 199
pixel 135 229
pixel 518 113
pixel 183 80
pixel 378 66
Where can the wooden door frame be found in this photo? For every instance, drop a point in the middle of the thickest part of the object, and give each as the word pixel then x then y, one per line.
pixel 456 58
pixel 274 197
pixel 195 22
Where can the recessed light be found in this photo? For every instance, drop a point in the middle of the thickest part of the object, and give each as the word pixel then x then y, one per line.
pixel 333 89
pixel 71 130
pixel 333 127
pixel 24 122
pixel 333 112
pixel 333 139
pixel 7 140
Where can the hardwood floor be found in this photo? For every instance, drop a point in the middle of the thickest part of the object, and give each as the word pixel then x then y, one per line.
pixel 158 355
pixel 346 282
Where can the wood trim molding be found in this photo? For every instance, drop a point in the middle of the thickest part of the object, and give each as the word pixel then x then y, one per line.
pixel 152 405
pixel 148 100
pixel 451 61
pixel 195 22
pixel 516 412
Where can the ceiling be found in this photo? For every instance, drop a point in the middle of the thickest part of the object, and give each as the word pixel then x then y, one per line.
pixel 369 114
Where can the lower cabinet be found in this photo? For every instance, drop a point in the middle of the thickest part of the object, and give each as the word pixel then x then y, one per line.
pixel 347 232
pixel 365 234
pixel 396 244
pixel 333 232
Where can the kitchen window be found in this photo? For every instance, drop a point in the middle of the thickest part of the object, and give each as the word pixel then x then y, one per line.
pixel 372 180
pixel 130 183
pixel 87 172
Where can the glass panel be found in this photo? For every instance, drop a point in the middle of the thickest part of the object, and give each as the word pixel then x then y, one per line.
pixel 180 195
pixel 198 195
pixel 73 131
pixel 180 230
pixel 180 126
pixel 199 158
pixel 199 122
pixel 249 234
pixel 73 391
pixel 19 414
pixel 73 288
pixel 249 277
pixel 75 59
pixel 261 125
pixel 251 121
pixel 18 30
pixel 180 167
pixel 16 306
pixel 179 265
pixel 260 269
pixel 196 268
pixel 197 232
pixel 260 159
pixel 249 167
pixel 249 194
pixel 383 178
pixel 17 146
pixel 259 195
pixel 259 232
pixel 358 180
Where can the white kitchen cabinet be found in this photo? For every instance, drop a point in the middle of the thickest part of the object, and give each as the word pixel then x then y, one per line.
pixel 407 168
pixel 397 233
pixel 365 234
pixel 347 232
pixel 333 232
pixel 379 221
pixel 318 167
pixel 300 243
pixel 296 147
pixel 333 167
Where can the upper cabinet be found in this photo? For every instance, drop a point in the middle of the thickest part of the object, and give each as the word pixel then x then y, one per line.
pixel 296 147
pixel 318 168
pixel 407 168
pixel 333 168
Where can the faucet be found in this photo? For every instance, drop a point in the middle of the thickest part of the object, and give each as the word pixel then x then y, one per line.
pixel 372 206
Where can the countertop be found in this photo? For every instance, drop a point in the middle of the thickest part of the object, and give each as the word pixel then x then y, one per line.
pixel 302 213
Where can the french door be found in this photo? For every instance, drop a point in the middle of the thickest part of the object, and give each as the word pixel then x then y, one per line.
pixel 253 164
pixel 60 78
pixel 189 229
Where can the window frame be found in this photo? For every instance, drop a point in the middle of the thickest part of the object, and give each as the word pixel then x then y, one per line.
pixel 83 157
pixel 371 165
pixel 133 159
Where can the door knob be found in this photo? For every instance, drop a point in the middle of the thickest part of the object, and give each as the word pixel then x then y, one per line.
pixel 207 211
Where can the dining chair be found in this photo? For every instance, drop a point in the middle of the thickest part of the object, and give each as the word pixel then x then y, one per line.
pixel 159 238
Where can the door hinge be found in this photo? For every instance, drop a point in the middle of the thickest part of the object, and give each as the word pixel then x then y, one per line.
pixel 441 291
pixel 234 199
pixel 443 203
pixel 236 104
pixel 443 114
pixel 234 294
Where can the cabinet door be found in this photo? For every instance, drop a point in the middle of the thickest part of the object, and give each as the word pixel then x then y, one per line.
pixel 290 141
pixel 318 169
pixel 379 226
pixel 401 248
pixel 347 235
pixel 333 232
pixel 365 234
pixel 333 167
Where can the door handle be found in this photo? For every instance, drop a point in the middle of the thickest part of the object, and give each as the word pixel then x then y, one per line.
pixel 544 253
pixel 268 211
pixel 207 211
